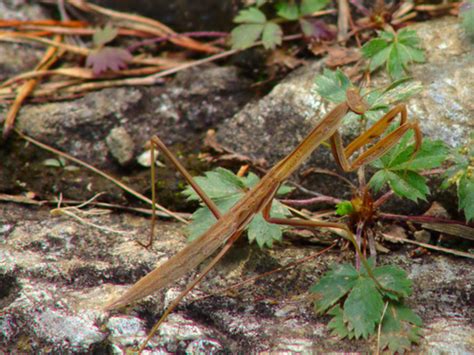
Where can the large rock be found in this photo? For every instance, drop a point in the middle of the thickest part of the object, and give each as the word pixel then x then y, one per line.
pixel 271 127
pixel 57 274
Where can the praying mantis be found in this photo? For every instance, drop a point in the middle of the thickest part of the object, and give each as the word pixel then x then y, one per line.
pixel 229 226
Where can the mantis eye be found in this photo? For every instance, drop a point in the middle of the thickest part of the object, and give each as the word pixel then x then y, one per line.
pixel 355 102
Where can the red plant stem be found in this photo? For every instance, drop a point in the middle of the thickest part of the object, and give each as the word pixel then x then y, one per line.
pixel 185 34
pixel 420 219
pixel 311 201
pixel 382 199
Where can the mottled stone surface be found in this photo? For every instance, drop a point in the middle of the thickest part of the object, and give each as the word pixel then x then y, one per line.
pixel 57 274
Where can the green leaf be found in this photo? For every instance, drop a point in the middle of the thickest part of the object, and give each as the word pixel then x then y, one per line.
pixel 287 10
pixel 272 35
pixel 217 183
pixel 363 307
pixel 332 85
pixel 408 184
pixel 396 50
pixel 431 155
pixel 395 66
pixel 466 195
pixel 395 279
pixel 263 233
pixel 104 35
pixel 251 15
pixel 337 323
pixel 373 47
pixel 244 36
pixel 379 59
pixel 203 218
pixel 226 189
pixel 284 190
pixel 310 6
pixel 467 15
pixel 399 167
pixel 344 208
pixel 400 328
pixel 378 179
pixel 333 286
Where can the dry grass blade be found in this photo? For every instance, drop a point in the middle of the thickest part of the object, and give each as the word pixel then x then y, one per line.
pixel 101 173
pixel 147 24
pixel 49 58
pixel 457 230
pixel 392 238
pixel 81 73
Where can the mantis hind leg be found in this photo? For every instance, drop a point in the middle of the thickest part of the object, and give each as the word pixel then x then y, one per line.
pixel 342 154
pixel 306 223
pixel 156 142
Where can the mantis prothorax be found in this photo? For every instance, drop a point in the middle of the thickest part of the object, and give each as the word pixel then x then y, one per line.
pixel 229 226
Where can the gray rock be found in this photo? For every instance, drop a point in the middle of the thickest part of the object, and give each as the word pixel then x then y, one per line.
pixel 120 145
pixel 17 58
pixel 196 100
pixel 57 274
pixel 271 127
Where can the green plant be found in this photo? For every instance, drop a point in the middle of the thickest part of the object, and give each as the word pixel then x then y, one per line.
pixel 254 24
pixel 226 188
pixel 395 51
pixel 358 306
pixel 467 15
pixel 461 174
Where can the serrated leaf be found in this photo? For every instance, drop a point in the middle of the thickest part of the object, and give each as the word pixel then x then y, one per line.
pixel 104 35
pixel 379 59
pixel 263 233
pixel 378 180
pixel 272 35
pixel 395 66
pixel 344 208
pixel 396 50
pixel 252 15
pixel 431 155
pixel 203 218
pixel 218 183
pixel 108 58
pixel 332 85
pixel 466 195
pixel 244 36
pixel 363 307
pixel 337 323
pixel 408 184
pixel 308 7
pixel 400 328
pixel 395 279
pixel 226 189
pixel 333 286
pixel 287 10
pixel 373 47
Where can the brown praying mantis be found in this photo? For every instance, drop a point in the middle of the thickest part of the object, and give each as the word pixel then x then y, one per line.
pixel 229 226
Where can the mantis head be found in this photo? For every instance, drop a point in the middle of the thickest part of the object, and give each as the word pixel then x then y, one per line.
pixel 355 102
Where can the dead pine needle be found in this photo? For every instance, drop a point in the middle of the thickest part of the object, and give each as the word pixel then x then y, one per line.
pixel 78 214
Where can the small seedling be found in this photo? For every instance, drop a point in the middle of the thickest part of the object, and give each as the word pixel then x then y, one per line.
pixel 103 57
pixel 395 51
